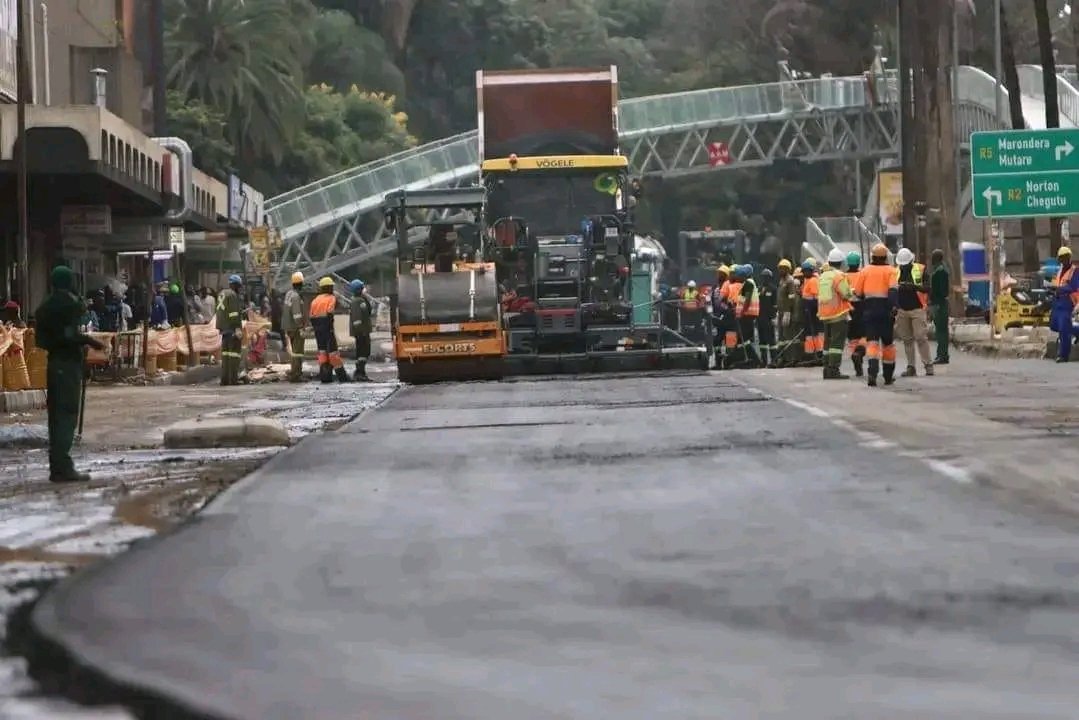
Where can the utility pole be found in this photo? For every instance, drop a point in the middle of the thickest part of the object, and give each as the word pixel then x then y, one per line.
pixel 22 170
pixel 909 67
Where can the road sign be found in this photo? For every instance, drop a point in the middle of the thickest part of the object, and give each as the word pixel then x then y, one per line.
pixel 1025 173
pixel 719 153
pixel 1026 195
pixel 177 240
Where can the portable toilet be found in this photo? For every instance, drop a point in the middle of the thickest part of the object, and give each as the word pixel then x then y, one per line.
pixel 975 273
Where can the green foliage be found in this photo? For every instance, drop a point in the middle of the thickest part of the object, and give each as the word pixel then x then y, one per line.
pixel 205 129
pixel 346 54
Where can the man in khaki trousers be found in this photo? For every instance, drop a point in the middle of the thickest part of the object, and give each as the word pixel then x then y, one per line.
pixel 911 322
pixel 292 324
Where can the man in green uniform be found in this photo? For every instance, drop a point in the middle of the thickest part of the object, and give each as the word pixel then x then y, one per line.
pixel 788 317
pixel 230 325
pixel 939 287
pixel 360 321
pixel 292 324
pixel 58 333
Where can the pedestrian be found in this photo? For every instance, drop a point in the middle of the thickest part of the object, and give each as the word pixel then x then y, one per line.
pixel 856 326
pixel 813 345
pixel 174 306
pixel 230 325
pixel 58 333
pixel 126 314
pixel 876 288
pixel 766 329
pixel 292 324
pixel 322 310
pixel 940 287
pixel 360 322
pixel 748 310
pixel 1065 298
pixel 833 310
pixel 911 322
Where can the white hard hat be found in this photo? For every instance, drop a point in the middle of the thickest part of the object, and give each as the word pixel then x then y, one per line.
pixel 691 283
pixel 836 256
pixel 904 257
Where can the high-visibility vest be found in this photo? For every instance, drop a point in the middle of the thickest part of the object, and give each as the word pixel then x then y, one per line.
pixel 1064 277
pixel 323 305
pixel 690 297
pixel 833 295
pixel 752 307
pixel 810 288
pixel 916 271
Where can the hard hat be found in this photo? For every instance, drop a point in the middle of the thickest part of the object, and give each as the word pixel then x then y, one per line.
pixel 174 289
pixel 766 273
pixel 235 280
pixel 880 250
pixel 809 266
pixel 785 264
pixel 854 259
pixel 356 286
pixel 326 282
pixel 835 256
pixel 723 269
pixel 297 278
pixel 1064 250
pixel 747 270
pixel 691 283
pixel 904 256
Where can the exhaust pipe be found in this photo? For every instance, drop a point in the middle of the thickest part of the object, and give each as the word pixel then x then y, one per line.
pixel 187 167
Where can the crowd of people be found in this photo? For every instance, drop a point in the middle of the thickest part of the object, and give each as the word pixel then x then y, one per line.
pixel 813 314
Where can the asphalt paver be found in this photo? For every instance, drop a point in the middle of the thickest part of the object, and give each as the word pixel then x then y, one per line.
pixel 641 547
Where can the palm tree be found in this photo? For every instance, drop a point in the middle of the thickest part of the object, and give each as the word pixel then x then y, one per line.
pixel 244 58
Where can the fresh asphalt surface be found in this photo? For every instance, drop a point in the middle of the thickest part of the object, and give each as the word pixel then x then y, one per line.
pixel 616 547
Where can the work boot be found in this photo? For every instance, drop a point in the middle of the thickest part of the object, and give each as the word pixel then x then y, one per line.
pixel 889 374
pixel 1062 360
pixel 360 373
pixel 910 372
pixel 69 477
pixel 929 369
pixel 856 360
pixel 342 376
pixel 325 373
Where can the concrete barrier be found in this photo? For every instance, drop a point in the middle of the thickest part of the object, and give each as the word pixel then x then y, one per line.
pixel 226 432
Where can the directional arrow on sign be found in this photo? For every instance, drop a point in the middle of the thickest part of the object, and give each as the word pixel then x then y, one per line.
pixel 994 197
pixel 1064 150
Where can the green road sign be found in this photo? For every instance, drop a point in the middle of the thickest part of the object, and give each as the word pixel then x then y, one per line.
pixel 1026 195
pixel 1016 151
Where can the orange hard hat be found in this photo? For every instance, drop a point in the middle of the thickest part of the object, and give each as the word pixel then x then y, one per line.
pixel 880 250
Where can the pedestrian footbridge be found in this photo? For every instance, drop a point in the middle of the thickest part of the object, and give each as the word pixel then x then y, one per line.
pixel 334 223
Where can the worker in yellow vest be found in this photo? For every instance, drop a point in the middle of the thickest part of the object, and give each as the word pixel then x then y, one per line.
pixel 911 321
pixel 833 311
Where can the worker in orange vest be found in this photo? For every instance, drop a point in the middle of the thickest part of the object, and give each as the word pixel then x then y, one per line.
pixel 321 316
pixel 813 345
pixel 876 287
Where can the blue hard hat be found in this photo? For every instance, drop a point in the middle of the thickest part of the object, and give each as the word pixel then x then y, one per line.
pixel 235 280
pixel 356 286
pixel 747 270
pixel 808 266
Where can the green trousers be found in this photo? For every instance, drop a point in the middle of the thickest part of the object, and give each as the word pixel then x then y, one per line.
pixel 940 327
pixel 296 348
pixel 835 338
pixel 231 345
pixel 64 378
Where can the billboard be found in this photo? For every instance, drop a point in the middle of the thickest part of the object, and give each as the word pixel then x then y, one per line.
pixel 890 201
pixel 8 37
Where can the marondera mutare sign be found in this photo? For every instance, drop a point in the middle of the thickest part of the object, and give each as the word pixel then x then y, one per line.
pixel 1025 173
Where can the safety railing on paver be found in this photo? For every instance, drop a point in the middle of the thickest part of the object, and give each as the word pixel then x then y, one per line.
pixel 847 233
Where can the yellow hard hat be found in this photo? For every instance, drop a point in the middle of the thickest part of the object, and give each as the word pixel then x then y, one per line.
pixel 297 278
pixel 723 269
pixel 325 282
pixel 1064 250
pixel 880 250
pixel 785 264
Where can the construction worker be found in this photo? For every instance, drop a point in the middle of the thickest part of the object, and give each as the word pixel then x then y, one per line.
pixel 876 288
pixel 911 322
pixel 360 324
pixel 833 310
pixel 731 339
pixel 322 310
pixel 856 326
pixel 766 329
pixel 58 333
pixel 230 325
pixel 787 294
pixel 690 295
pixel 1066 286
pixel 813 345
pixel 292 325
pixel 940 287
pixel 722 317
pixel 748 311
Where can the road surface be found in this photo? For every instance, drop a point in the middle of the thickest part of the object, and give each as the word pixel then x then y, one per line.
pixel 739 545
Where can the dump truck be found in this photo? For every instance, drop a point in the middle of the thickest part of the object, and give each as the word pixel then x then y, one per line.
pixel 578 295
pixel 446 314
